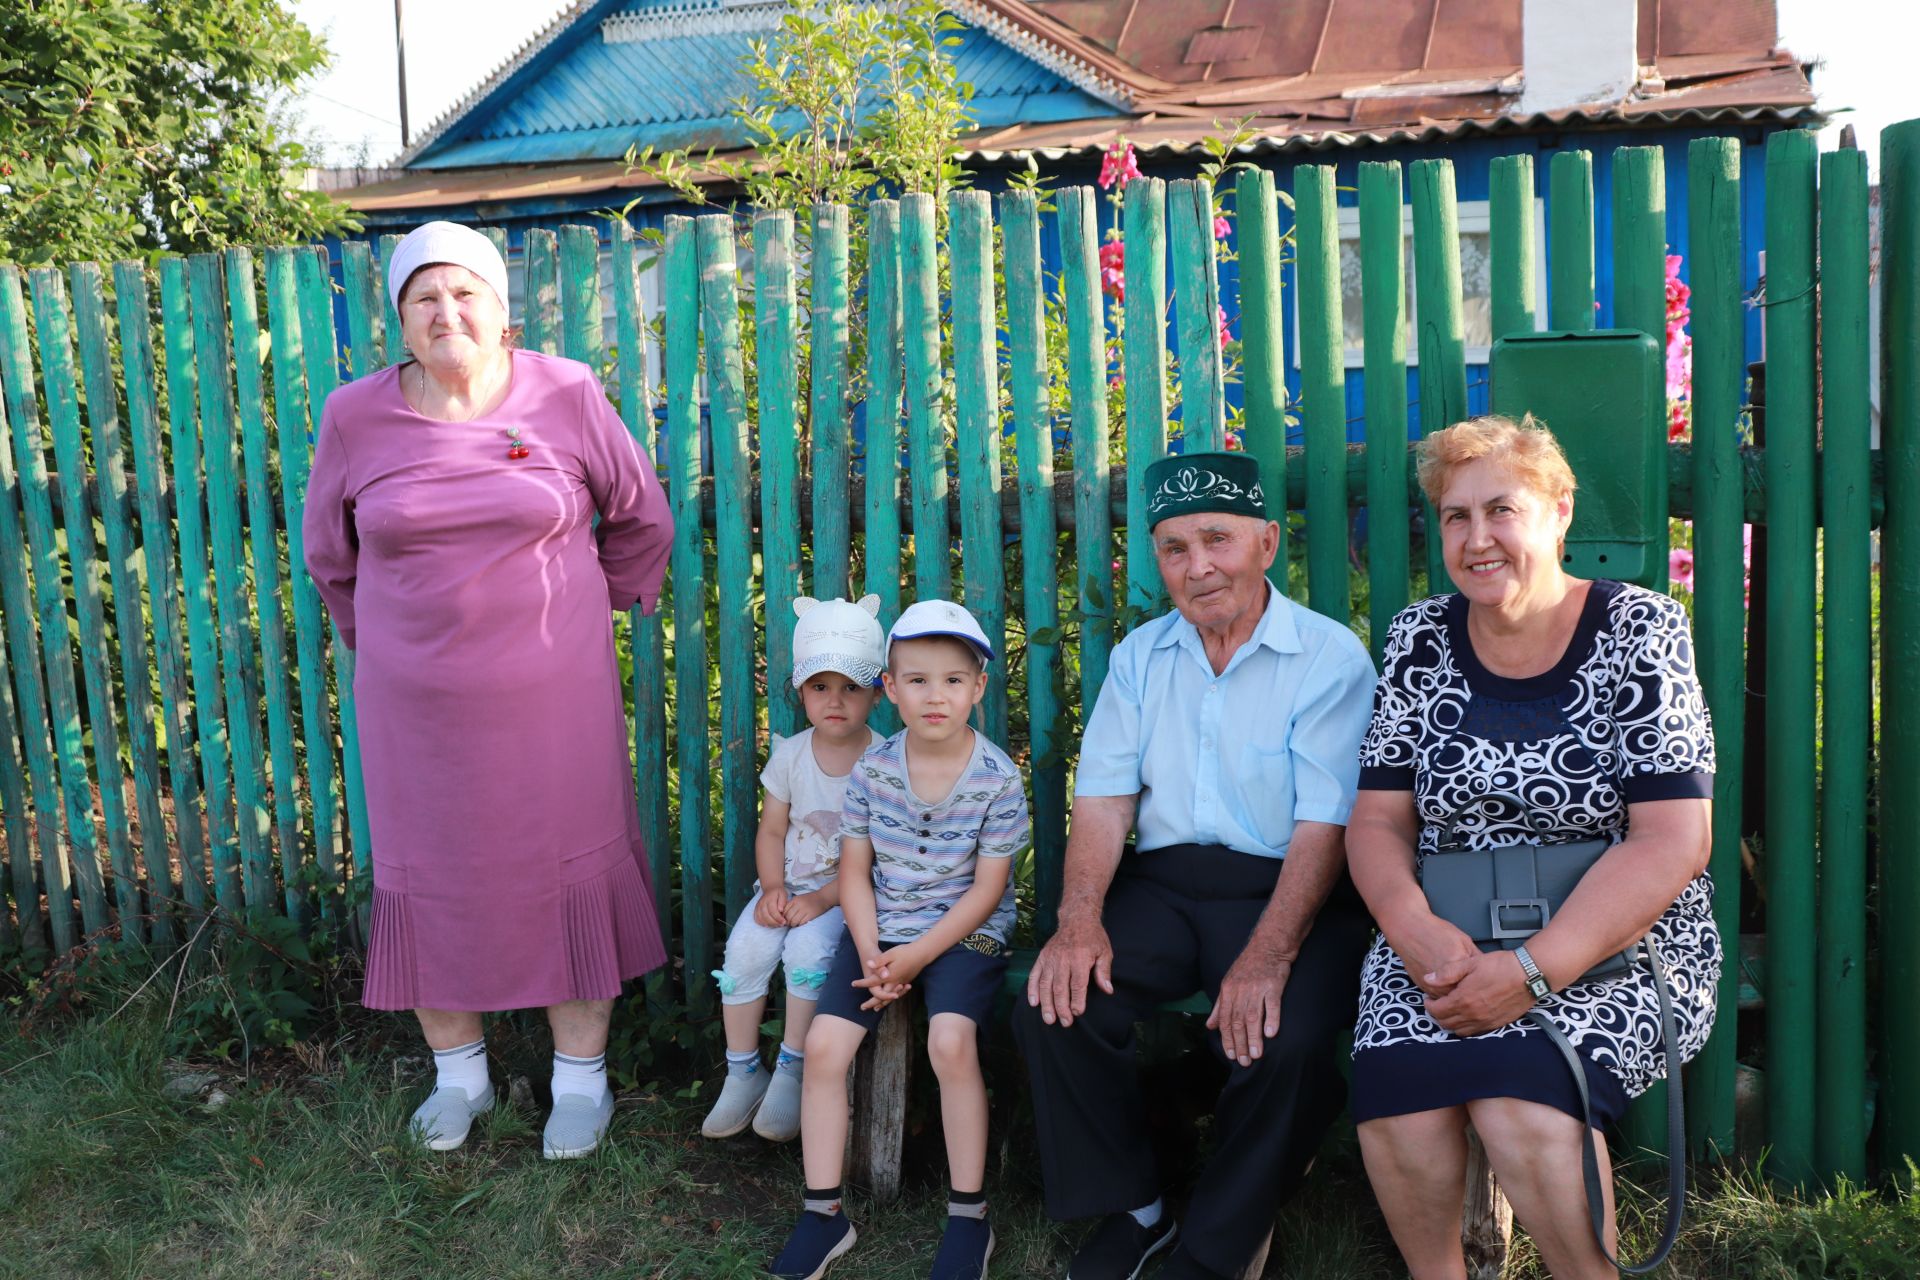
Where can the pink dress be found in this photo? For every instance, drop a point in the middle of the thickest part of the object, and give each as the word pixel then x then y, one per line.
pixel 476 591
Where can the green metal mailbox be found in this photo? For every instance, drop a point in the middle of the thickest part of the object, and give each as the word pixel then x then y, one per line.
pixel 1603 395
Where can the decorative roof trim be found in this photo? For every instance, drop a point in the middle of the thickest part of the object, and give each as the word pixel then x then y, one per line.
pixel 504 72
pixel 1055 57
pixel 693 18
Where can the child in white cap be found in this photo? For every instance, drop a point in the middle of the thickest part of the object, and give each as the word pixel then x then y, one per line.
pixel 794 914
pixel 934 818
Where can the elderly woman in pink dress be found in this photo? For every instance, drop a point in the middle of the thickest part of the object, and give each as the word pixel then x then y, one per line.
pixel 451 528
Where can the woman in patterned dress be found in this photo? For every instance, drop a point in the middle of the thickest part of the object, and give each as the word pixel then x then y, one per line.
pixel 1578 697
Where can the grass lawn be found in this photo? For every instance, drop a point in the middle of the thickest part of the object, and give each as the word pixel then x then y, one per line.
pixel 302 1172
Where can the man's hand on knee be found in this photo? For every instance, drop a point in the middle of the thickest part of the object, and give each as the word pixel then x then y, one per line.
pixel 1247 1011
pixel 1057 986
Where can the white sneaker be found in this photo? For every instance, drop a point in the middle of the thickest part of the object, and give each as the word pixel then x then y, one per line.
pixel 443 1121
pixel 739 1098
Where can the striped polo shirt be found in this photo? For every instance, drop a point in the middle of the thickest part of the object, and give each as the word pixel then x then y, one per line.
pixel 924 851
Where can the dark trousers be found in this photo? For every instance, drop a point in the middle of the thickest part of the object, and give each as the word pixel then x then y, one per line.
pixel 1178 918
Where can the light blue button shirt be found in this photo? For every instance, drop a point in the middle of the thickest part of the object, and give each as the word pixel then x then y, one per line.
pixel 1234 759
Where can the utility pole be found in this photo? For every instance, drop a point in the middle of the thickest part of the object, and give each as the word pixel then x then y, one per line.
pixel 400 53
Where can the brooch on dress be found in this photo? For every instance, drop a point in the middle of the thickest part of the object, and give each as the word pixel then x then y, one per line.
pixel 516 447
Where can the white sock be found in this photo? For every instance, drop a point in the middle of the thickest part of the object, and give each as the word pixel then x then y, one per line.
pixel 1148 1216
pixel 462 1067
pixel 744 1063
pixel 584 1076
pixel 790 1060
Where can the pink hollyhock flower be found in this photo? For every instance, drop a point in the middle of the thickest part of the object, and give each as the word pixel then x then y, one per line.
pixel 1234 443
pixel 1221 227
pixel 1678 424
pixel 1113 269
pixel 1679 366
pixel 1678 292
pixel 1119 166
pixel 1680 568
pixel 1226 334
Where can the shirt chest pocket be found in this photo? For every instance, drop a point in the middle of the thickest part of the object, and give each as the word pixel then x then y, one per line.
pixel 1265 787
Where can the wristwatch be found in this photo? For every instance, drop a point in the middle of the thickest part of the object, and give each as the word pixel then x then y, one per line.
pixel 1536 980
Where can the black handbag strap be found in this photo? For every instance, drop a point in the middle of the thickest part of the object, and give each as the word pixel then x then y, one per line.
pixel 1676 1128
pixel 1540 822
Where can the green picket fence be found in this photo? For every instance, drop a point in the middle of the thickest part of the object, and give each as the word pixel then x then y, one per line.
pixel 178 717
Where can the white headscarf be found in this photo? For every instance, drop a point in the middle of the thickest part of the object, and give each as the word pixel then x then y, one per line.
pixel 448 242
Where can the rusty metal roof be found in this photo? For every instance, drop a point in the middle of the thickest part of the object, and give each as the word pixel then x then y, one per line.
pixel 1304 74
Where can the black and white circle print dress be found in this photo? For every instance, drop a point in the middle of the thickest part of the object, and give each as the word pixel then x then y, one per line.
pixel 1620 719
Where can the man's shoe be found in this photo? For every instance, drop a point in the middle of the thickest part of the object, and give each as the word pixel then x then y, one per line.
pixel 964 1250
pixel 1119 1248
pixel 443 1121
pixel 815 1242
pixel 576 1126
pixel 739 1098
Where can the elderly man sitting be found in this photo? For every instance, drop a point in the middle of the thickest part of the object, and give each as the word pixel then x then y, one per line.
pixel 1225 739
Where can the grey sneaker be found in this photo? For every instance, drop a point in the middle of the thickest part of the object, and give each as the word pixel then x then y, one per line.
pixel 443 1121
pixel 576 1126
pixel 739 1098
pixel 778 1119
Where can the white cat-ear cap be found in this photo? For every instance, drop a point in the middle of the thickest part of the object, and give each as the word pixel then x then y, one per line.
pixel 833 635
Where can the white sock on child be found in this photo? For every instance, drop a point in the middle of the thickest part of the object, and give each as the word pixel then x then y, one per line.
pixel 791 1060
pixel 743 1064
pixel 586 1077
pixel 462 1067
pixel 1150 1215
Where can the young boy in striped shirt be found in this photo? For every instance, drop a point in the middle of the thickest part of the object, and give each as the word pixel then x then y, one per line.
pixel 934 817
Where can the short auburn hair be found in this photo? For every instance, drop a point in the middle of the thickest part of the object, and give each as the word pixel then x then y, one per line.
pixel 1525 448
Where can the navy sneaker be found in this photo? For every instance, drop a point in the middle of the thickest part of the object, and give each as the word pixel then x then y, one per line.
pixel 816 1241
pixel 1119 1248
pixel 964 1250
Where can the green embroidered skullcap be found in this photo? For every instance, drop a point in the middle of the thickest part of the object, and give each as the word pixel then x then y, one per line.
pixel 1185 483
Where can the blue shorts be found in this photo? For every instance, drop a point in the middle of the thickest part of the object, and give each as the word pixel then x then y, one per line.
pixel 965 979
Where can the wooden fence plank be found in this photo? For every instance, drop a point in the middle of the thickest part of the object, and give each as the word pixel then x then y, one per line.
pixel 1383 293
pixel 1640 302
pixel 1570 241
pixel 692 733
pixel 23 646
pixel 1846 657
pixel 1039 542
pixel 1087 392
pixel 733 552
pixel 130 633
pixel 1203 404
pixel 19 887
pixel 828 424
pixel 1144 268
pixel 322 363
pixel 1322 388
pixel 1511 245
pixel 884 372
pixel 139 377
pixel 774 347
pixel 580 322
pixel 1719 606
pixel 1442 331
pixel 541 314
pixel 363 309
pixel 263 536
pixel 394 344
pixel 196 577
pixel 82 871
pixel 241 680
pixel 925 389
pixel 1262 358
pixel 1899 899
pixel 976 378
pixel 1791 954
pixel 290 423
pixel 649 637
pixel 51 319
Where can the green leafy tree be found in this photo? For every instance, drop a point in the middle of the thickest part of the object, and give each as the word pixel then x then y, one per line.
pixel 135 127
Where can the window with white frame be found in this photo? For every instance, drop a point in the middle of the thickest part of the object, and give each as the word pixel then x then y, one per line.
pixel 1476 281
